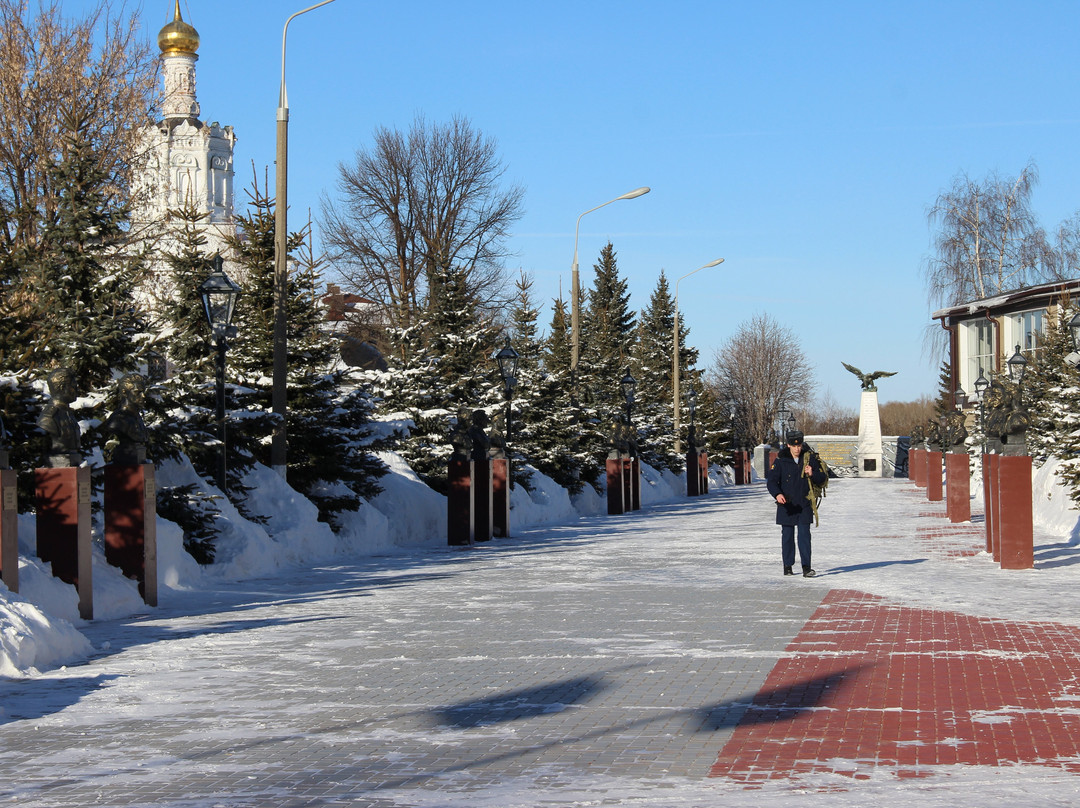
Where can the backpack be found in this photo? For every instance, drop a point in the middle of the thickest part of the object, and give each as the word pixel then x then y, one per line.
pixel 817 492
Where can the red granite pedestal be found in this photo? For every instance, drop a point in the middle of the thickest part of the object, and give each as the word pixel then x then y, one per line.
pixel 131 525
pixel 63 529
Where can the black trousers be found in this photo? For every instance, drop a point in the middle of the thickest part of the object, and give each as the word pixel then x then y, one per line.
pixel 787 544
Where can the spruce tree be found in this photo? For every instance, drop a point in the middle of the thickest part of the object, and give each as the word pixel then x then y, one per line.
pixel 544 424
pixel 655 386
pixel 181 413
pixel 1050 395
pixel 85 283
pixel 557 347
pixel 559 449
pixel 327 415
pixel 448 373
pixel 607 338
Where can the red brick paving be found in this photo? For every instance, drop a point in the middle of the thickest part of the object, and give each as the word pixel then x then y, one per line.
pixel 868 685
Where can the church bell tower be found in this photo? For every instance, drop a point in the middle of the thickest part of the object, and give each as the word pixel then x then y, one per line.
pixel 189 161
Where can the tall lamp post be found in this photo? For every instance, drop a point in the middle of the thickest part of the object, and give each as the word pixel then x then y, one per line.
pixel 575 283
pixel 219 295
pixel 628 385
pixel 279 398
pixel 691 405
pixel 675 402
pixel 507 358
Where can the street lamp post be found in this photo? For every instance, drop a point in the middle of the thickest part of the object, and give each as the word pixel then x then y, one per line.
pixel 628 385
pixel 507 359
pixel 691 405
pixel 1017 365
pixel 575 283
pixel 279 398
pixel 676 403
pixel 219 295
pixel 981 384
pixel 781 416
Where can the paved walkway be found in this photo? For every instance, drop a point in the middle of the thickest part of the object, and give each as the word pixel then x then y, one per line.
pixel 656 658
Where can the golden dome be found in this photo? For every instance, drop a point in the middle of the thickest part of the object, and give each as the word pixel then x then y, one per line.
pixel 178 36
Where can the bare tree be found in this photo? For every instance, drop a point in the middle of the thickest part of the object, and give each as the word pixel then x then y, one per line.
pixel 415 202
pixel 827 416
pixel 761 368
pixel 987 239
pixel 98 68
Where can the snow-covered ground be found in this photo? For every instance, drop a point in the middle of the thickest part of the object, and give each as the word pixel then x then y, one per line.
pixel 39 626
pixel 854 548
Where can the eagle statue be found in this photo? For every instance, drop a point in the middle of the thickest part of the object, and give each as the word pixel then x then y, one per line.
pixel 867 379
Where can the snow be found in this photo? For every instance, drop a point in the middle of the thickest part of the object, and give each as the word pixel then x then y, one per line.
pixel 39 625
pixel 40 628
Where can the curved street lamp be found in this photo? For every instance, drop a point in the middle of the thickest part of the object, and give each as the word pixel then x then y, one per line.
pixel 279 396
pixel 675 402
pixel 575 282
pixel 219 294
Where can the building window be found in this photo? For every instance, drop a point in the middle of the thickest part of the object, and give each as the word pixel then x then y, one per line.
pixel 1029 328
pixel 980 352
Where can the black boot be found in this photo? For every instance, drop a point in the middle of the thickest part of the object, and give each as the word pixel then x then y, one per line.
pixel 808 573
pixel 787 571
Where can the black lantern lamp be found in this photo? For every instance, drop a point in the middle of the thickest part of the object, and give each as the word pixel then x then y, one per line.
pixel 981 384
pixel 507 359
pixel 219 295
pixel 1074 330
pixel 629 385
pixel 1017 366
pixel 790 422
pixel 1073 357
pixel 960 398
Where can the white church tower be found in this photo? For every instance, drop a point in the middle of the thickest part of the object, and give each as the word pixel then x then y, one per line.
pixel 188 162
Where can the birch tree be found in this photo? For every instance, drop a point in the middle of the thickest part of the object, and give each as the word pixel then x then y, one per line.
pixel 986 239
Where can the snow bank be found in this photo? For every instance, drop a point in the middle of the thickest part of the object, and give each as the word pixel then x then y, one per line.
pixel 1052 508
pixel 39 626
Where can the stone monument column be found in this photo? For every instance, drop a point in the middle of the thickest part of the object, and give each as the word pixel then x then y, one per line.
pixel 868 453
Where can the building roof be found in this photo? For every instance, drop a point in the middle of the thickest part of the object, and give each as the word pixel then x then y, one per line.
pixel 1032 297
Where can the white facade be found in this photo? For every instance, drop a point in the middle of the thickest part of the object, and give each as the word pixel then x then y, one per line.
pixel 985 333
pixel 189 163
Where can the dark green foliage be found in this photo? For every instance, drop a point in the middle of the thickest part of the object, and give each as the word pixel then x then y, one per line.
pixel 195 514
pixel 653 412
pixel 448 370
pixel 1052 394
pixel 329 460
pixel 84 285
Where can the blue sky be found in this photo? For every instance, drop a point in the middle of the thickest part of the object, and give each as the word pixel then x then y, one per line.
pixel 802 142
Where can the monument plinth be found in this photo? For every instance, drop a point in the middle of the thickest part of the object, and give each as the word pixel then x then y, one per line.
pixel 868 453
pixel 869 456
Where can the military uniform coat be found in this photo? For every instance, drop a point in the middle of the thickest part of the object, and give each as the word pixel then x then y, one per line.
pixel 786 477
